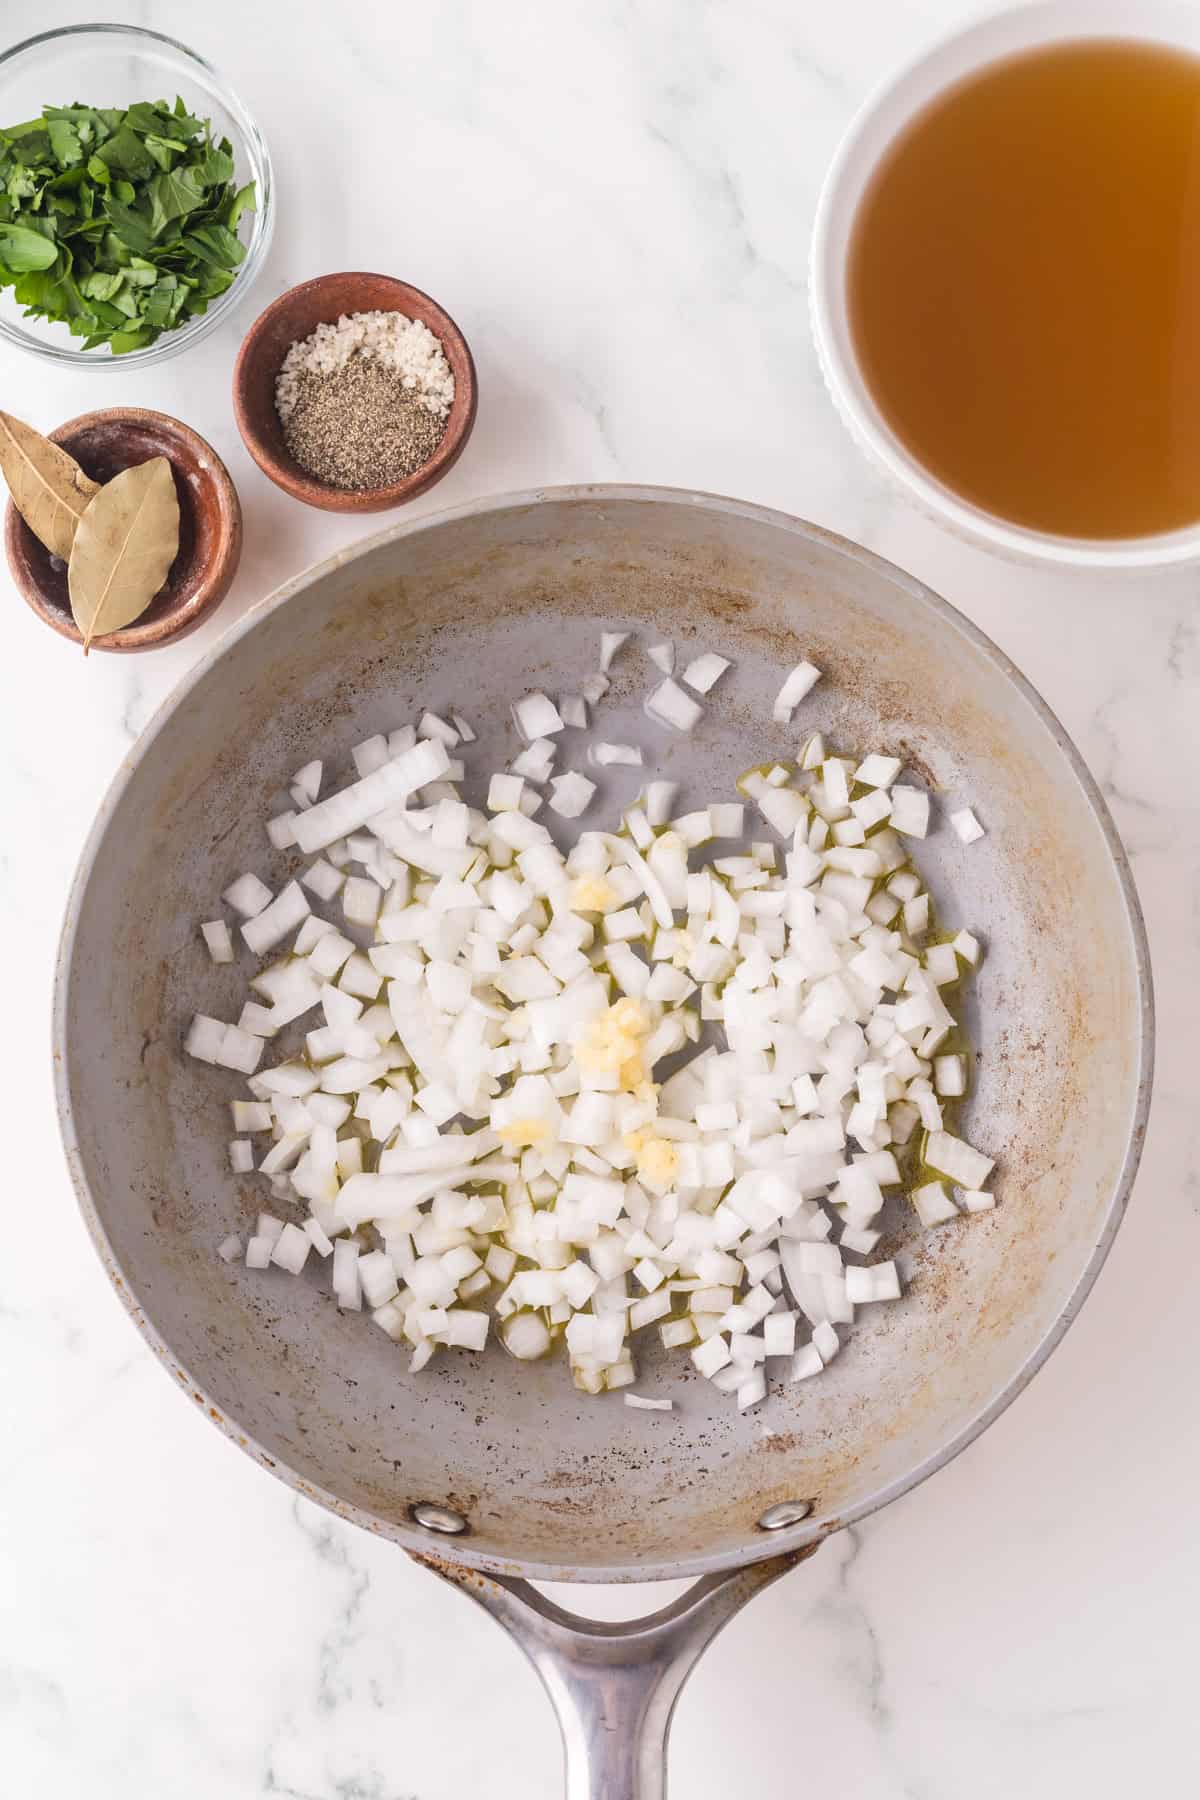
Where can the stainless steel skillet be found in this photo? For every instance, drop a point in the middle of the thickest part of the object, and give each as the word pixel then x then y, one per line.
pixel 531 1480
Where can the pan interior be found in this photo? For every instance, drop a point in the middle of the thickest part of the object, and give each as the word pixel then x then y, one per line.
pixel 468 611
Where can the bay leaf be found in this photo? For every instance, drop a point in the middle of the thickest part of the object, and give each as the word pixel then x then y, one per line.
pixel 49 489
pixel 124 546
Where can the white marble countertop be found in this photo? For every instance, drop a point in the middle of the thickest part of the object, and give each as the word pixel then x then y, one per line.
pixel 615 203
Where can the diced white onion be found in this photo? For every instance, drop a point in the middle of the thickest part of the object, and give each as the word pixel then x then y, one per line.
pixel 431 726
pixel 876 771
pixel 802 680
pixel 270 926
pixel 966 826
pixel 217 936
pixel 478 1125
pixel 669 705
pixel 258 1252
pixel 536 716
pixel 570 794
pixel 933 1204
pixel 951 1156
pixel 350 809
pixel 247 895
pixel 526 1336
pixel 602 755
pixel 703 672
pixel 281 830
pixel 535 762
pixel 308 780
pixel 610 643
pixel 910 812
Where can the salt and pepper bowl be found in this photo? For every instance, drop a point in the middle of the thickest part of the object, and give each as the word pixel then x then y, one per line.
pixel 210 527
pixel 294 316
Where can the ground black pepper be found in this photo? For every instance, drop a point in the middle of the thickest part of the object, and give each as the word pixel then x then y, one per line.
pixel 359 426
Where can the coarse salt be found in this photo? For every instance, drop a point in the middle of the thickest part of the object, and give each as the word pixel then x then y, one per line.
pixel 401 344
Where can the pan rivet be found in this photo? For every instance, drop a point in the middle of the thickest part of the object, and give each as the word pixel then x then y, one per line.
pixel 788 1512
pixel 432 1517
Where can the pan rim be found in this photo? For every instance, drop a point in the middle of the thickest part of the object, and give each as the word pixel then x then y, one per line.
pixel 461 1550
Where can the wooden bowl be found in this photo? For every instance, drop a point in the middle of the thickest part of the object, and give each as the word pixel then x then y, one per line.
pixel 296 315
pixel 210 527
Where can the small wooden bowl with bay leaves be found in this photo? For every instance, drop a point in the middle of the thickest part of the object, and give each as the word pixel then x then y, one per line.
pixel 105 445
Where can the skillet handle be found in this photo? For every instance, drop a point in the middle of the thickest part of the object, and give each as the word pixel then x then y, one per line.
pixel 614 1686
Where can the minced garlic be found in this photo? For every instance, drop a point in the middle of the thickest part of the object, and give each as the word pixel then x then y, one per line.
pixel 523 1134
pixel 612 1043
pixel 657 1158
pixel 591 894
pixel 685 946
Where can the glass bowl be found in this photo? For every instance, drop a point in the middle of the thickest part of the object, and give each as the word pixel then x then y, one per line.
pixel 115 65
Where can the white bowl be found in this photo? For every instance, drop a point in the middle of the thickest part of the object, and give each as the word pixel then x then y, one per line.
pixel 871 133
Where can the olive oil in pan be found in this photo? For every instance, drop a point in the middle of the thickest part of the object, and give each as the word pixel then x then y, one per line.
pixel 1024 289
